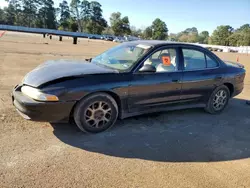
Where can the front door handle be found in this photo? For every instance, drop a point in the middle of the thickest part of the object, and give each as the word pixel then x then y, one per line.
pixel 175 80
pixel 218 77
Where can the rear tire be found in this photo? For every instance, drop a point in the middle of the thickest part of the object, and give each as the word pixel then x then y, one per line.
pixel 96 113
pixel 218 100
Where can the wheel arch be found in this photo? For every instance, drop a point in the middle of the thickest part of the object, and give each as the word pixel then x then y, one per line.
pixel 230 86
pixel 111 93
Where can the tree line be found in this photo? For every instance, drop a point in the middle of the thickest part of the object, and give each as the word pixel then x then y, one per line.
pixel 86 16
pixel 224 35
pixel 81 16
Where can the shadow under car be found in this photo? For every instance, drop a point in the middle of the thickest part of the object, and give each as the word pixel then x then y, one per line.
pixel 177 136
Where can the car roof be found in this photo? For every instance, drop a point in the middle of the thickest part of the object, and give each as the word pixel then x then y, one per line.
pixel 155 43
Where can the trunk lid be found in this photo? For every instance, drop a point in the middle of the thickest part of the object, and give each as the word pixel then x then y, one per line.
pixel 234 64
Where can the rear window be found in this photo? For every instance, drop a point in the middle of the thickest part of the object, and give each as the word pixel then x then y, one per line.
pixel 211 63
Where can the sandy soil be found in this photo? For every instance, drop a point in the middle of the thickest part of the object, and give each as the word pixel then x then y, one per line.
pixel 186 148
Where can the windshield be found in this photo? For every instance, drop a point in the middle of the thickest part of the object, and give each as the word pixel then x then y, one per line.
pixel 121 57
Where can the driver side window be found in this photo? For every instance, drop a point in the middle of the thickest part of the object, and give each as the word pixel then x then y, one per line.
pixel 163 60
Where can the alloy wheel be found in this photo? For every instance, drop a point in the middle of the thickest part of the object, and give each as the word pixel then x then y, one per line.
pixel 98 114
pixel 220 100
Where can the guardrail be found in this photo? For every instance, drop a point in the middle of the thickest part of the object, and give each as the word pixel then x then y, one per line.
pixel 45 31
pixel 239 49
pixel 75 35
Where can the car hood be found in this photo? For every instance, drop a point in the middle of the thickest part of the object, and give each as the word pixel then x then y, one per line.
pixel 53 70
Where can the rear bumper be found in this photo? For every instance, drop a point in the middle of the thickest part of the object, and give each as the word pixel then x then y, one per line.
pixel 41 111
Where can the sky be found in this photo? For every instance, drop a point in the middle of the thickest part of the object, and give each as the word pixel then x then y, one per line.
pixel 178 14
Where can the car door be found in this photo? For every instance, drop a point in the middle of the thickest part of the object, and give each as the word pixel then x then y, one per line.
pixel 148 90
pixel 201 74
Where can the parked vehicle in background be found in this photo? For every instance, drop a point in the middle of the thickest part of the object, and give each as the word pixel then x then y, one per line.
pixel 217 49
pixel 119 39
pixel 116 39
pixel 131 38
pixel 92 37
pixel 233 51
pixel 109 38
pixel 209 48
pixel 129 79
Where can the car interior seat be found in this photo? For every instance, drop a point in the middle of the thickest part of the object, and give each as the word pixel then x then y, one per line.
pixel 167 64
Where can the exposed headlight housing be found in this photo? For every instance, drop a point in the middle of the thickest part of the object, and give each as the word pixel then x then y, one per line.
pixel 38 95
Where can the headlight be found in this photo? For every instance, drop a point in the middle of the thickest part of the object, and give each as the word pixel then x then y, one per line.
pixel 38 95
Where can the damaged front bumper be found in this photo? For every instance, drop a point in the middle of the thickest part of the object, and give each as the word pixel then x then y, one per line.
pixel 40 111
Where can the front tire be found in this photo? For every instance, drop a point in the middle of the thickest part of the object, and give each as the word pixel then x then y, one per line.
pixel 96 113
pixel 218 100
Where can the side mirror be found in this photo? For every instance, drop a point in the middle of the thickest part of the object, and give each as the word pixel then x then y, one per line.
pixel 148 68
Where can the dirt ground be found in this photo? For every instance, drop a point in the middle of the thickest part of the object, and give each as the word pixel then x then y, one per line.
pixel 187 148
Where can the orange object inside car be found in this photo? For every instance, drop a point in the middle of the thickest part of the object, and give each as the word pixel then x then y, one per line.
pixel 166 60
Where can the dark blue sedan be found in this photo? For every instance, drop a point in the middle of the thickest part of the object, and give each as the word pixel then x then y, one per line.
pixel 130 79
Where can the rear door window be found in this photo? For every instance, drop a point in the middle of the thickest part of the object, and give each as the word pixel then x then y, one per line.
pixel 194 59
